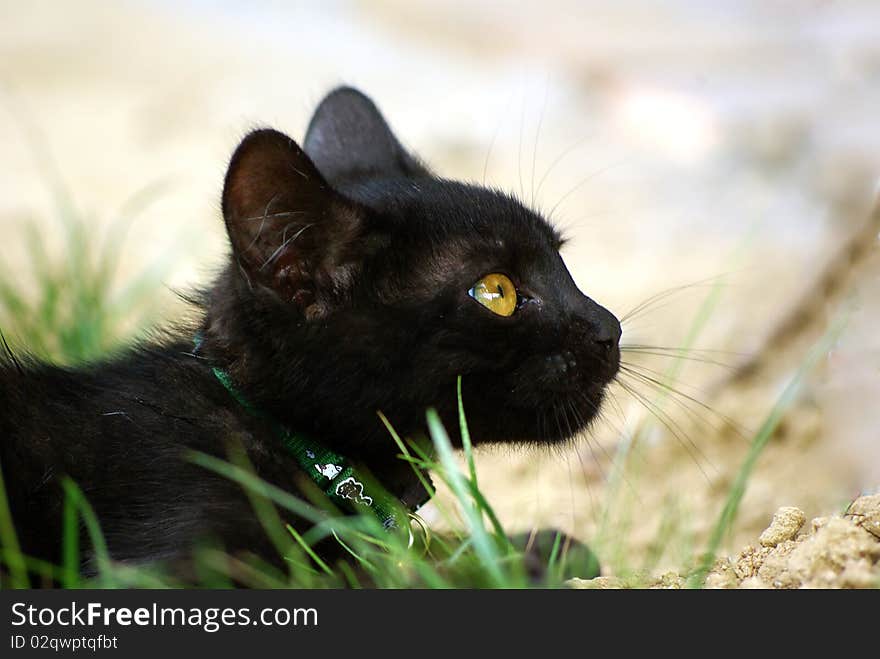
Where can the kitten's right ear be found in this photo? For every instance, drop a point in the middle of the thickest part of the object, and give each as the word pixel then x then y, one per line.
pixel 348 138
pixel 290 231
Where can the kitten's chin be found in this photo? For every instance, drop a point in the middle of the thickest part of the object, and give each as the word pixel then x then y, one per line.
pixel 564 418
pixel 573 415
pixel 568 424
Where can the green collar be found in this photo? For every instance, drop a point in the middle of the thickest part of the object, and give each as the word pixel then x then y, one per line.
pixel 331 472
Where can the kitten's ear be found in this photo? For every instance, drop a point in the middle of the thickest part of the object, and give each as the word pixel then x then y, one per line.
pixel 349 139
pixel 290 231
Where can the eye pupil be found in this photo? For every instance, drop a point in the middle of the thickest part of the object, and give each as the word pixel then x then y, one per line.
pixel 500 290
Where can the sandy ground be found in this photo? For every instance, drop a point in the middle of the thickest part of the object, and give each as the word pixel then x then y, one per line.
pixel 675 144
pixel 838 551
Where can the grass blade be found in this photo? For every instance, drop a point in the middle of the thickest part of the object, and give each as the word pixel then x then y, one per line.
pixel 484 547
pixel 90 519
pixel 12 555
pixel 762 437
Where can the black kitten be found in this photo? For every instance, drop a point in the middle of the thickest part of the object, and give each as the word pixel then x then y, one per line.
pixel 359 281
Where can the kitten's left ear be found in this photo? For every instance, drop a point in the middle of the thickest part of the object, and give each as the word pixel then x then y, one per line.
pixel 349 139
pixel 290 231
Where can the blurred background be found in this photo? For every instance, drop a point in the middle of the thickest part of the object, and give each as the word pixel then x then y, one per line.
pixel 727 150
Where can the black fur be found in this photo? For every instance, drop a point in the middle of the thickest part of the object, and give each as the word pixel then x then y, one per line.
pixel 346 293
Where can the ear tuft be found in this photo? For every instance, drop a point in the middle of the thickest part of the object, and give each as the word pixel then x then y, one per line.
pixel 349 139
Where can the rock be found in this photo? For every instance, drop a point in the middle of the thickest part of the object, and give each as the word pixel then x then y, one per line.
pixel 865 512
pixel 749 561
pixel 839 546
pixel 840 551
pixel 669 581
pixel 786 523
pixel 774 570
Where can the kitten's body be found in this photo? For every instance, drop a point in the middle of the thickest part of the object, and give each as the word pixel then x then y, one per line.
pixel 350 291
pixel 121 431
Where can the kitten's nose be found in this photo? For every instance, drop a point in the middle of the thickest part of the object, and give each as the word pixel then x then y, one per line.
pixel 606 336
pixel 607 329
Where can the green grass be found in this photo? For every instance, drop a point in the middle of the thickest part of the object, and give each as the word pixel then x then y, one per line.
pixel 70 309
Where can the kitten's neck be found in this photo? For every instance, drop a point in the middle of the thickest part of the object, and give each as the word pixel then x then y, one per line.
pixel 292 394
pixel 409 484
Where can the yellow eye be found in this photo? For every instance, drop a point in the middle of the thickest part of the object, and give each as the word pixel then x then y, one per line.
pixel 497 293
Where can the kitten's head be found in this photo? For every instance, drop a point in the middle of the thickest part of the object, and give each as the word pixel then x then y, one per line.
pixel 363 282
